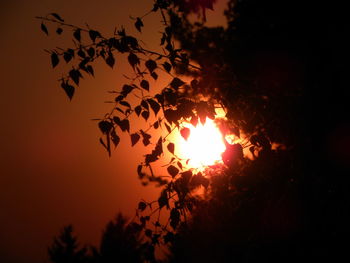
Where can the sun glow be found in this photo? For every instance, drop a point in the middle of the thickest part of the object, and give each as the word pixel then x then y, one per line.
pixel 204 145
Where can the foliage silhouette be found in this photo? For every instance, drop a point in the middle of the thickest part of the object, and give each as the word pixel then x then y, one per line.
pixel 270 70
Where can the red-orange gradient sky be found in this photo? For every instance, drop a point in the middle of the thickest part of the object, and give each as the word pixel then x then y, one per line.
pixel 53 170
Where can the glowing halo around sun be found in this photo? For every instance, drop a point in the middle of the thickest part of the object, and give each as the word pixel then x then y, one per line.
pixel 204 145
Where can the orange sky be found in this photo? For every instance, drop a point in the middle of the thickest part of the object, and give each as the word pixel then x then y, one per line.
pixel 53 170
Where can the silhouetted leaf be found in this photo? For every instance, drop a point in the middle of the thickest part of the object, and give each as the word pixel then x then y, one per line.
pixel 142 206
pixel 134 138
pixel 160 98
pixel 94 34
pixel 156 125
pixel 57 17
pixel 68 56
pixel 154 75
pixel 54 59
pixel 176 83
pixel 194 120
pixel 81 53
pixel 108 140
pixel 105 126
pixel 138 110
pixel 154 105
pixel 150 158
pixel 139 170
pixel 167 66
pixel 131 41
pixel 125 125
pixel 146 141
pixel 115 138
pixel 75 75
pixel 59 30
pixel 146 138
pixel 103 53
pixel 126 89
pixel 68 89
pixel 44 29
pixel 171 147
pixel 138 24
pixel 77 35
pixel 144 84
pixel 120 110
pixel 110 60
pixel 172 170
pixel 151 65
pixel 185 133
pixel 125 103
pixel 90 70
pixel 116 120
pixel 145 114
pixel 103 143
pixel 91 52
pixel 144 104
pixel 167 127
pixel 180 165
pixel 113 42
pixel 154 156
pixel 119 98
pixel 159 147
pixel 83 62
pixel 133 60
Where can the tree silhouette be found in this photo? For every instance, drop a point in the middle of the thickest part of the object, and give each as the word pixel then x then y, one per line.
pixel 65 248
pixel 270 70
pixel 121 242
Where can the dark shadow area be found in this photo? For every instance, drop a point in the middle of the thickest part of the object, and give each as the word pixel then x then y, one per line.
pixel 279 68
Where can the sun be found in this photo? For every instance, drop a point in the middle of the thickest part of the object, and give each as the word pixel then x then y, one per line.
pixel 204 145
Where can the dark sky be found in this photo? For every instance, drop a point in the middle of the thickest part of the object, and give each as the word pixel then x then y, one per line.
pixel 53 171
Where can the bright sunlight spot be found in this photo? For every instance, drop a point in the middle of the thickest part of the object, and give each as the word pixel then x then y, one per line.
pixel 204 145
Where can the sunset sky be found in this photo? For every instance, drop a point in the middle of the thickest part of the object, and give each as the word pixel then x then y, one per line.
pixel 53 171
